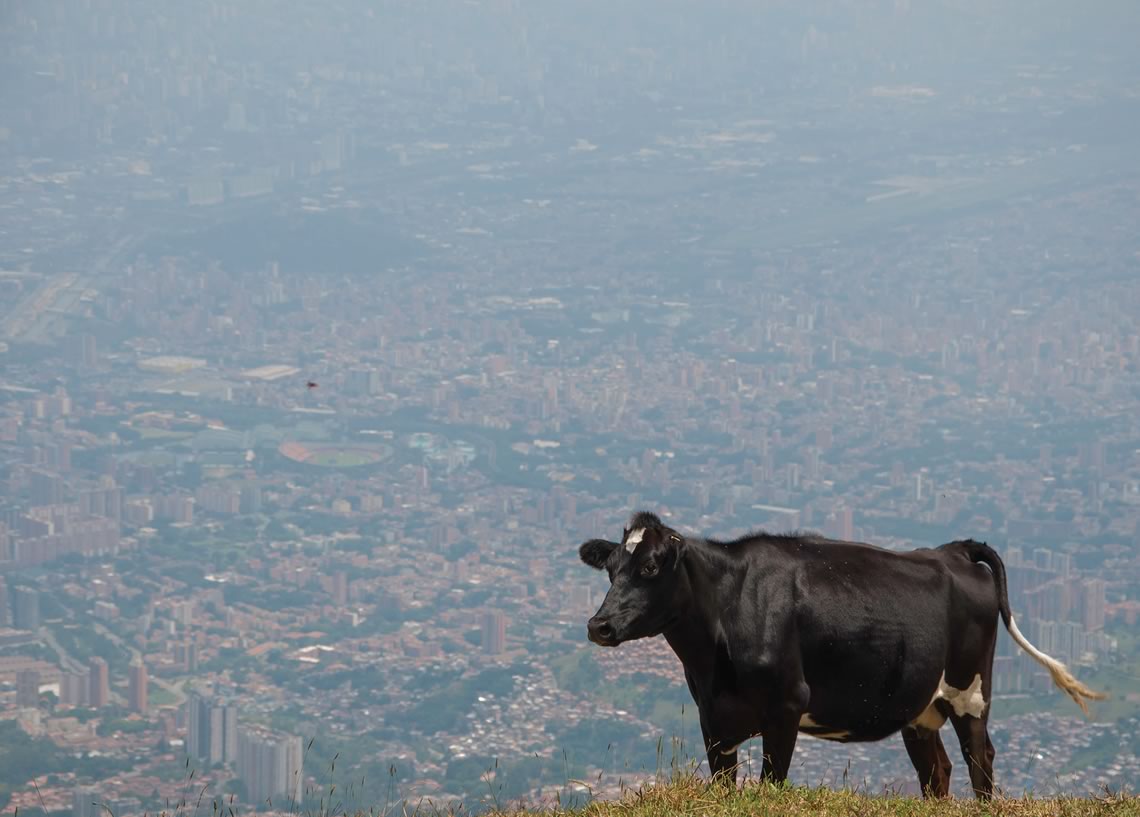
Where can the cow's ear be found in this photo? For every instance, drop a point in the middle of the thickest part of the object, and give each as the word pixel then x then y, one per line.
pixel 676 547
pixel 596 552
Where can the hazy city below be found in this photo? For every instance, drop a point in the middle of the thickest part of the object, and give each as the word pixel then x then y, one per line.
pixel 328 331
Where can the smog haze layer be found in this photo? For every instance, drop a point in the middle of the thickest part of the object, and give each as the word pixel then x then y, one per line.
pixel 328 331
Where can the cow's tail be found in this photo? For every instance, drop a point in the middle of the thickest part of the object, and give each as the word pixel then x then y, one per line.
pixel 983 553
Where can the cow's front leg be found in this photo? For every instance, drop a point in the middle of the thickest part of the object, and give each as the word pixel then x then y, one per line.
pixel 722 757
pixel 782 729
pixel 723 763
pixel 779 743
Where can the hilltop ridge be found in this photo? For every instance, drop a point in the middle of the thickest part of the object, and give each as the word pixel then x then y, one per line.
pixel 690 795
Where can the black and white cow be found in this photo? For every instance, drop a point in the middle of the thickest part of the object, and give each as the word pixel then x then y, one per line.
pixel 782 634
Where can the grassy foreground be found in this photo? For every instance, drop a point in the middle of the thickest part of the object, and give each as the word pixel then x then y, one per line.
pixel 693 796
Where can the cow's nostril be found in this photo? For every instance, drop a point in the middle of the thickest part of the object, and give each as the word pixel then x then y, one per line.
pixel 600 630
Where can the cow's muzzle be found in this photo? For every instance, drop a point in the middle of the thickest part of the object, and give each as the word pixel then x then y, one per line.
pixel 601 632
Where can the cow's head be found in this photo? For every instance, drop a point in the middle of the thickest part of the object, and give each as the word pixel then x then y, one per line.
pixel 643 569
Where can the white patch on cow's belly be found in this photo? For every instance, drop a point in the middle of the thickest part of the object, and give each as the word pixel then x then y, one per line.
pixel 931 718
pixel 634 539
pixel 968 701
pixel 807 723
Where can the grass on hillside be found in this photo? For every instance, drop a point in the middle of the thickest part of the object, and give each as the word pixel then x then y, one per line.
pixel 681 793
pixel 691 795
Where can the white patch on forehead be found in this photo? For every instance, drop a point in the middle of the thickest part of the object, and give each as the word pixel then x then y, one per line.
pixel 968 701
pixel 634 539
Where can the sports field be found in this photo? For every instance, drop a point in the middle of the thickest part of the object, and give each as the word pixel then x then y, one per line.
pixel 334 456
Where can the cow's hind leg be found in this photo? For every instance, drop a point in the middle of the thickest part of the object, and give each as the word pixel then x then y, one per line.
pixel 930 760
pixel 978 752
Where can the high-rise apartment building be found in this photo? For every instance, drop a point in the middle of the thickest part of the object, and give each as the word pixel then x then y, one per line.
pixel 28 688
pixel 75 688
pixel 100 694
pixel 46 488
pixel 25 608
pixel 1093 604
pixel 223 734
pixel 85 802
pixel 494 632
pixel 845 524
pixel 5 613
pixel 211 729
pixel 105 499
pixel 90 801
pixel 87 350
pixel 137 686
pixel 270 765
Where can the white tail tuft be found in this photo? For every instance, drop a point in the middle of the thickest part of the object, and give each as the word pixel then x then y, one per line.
pixel 1061 676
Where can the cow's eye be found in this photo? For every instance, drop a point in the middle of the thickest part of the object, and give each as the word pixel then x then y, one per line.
pixel 648 569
